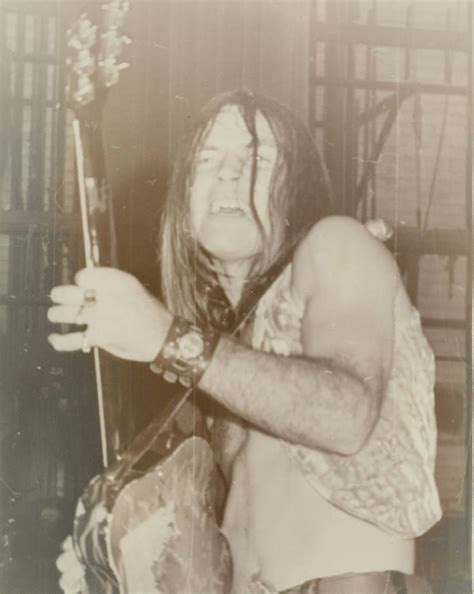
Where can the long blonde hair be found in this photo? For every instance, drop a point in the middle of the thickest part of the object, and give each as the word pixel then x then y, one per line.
pixel 299 197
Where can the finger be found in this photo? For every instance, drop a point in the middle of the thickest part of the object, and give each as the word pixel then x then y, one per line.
pixel 71 583
pixel 66 561
pixel 92 278
pixel 73 341
pixel 67 545
pixel 67 295
pixel 103 278
pixel 73 573
pixel 85 277
pixel 67 314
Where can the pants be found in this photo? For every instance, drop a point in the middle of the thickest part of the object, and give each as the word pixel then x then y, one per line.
pixel 383 582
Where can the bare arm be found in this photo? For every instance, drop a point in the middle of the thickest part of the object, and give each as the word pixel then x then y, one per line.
pixel 311 402
pixel 330 397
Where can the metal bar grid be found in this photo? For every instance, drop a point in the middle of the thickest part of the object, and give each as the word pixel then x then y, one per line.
pixel 386 36
pixel 16 130
pixel 37 89
pixel 372 112
pixel 37 161
pixel 387 85
pixel 34 133
pixel 32 6
pixel 35 58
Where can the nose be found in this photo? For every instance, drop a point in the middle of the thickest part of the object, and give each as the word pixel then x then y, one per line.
pixel 231 168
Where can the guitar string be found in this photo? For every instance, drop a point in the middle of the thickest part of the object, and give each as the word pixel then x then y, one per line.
pixel 90 264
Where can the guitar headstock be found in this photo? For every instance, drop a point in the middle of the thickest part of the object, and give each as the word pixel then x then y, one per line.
pixel 94 52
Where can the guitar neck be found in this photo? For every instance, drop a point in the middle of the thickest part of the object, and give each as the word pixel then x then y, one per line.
pixel 100 248
pixel 98 214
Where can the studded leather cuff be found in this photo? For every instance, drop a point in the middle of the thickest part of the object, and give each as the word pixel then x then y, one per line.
pixel 186 353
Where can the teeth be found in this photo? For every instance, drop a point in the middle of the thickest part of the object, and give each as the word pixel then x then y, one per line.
pixel 227 204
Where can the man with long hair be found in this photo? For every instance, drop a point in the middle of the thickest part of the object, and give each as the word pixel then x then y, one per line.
pixel 323 419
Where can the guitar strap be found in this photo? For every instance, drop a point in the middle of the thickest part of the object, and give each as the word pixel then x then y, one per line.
pixel 144 441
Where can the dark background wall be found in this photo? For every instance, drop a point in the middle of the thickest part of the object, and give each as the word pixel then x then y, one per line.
pixel 182 54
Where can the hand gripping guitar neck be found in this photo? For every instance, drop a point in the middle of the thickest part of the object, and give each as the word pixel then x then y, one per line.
pixel 93 67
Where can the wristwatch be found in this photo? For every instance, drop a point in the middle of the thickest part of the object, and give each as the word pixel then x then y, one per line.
pixel 190 345
pixel 186 353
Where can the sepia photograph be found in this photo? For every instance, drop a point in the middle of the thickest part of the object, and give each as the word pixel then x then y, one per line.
pixel 235 296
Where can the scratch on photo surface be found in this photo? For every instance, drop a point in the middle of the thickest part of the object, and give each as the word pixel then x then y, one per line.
pixel 12 491
pixel 466 466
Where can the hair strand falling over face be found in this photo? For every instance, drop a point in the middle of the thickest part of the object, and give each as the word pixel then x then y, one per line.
pixel 299 197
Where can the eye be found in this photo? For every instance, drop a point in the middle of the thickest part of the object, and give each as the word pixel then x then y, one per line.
pixel 265 158
pixel 263 161
pixel 266 154
pixel 206 158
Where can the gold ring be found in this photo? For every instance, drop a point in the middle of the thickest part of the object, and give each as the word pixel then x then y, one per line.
pixel 85 346
pixel 90 298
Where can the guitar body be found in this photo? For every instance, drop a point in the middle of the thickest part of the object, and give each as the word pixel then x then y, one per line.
pixel 157 534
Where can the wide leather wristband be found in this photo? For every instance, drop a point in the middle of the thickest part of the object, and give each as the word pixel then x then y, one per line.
pixel 186 353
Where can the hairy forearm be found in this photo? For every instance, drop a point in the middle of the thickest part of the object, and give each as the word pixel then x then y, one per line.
pixel 312 402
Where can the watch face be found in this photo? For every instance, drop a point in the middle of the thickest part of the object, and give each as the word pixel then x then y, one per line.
pixel 190 345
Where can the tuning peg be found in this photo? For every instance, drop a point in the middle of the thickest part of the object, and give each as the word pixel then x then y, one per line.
pixel 85 90
pixel 82 34
pixel 112 43
pixel 84 63
pixel 114 13
pixel 110 71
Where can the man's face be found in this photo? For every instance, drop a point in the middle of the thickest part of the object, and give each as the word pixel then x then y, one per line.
pixel 220 194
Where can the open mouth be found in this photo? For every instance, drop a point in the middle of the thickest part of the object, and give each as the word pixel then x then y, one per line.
pixel 229 207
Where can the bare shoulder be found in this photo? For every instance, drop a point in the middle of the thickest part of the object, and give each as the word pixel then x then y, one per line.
pixel 337 236
pixel 340 254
